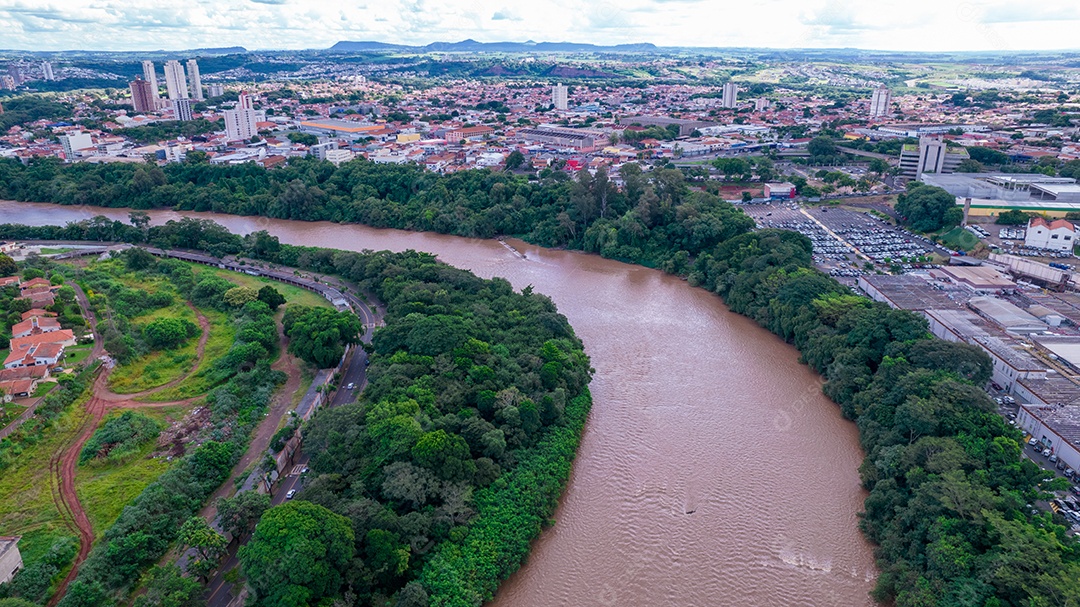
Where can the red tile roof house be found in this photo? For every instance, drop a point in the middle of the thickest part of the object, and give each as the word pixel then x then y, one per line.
pixel 17 388
pixel 40 349
pixel 37 312
pixel 24 373
pixel 43 299
pixel 35 325
pixel 38 283
pixel 8 281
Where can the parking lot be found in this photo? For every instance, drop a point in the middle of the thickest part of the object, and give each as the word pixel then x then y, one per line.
pixel 839 237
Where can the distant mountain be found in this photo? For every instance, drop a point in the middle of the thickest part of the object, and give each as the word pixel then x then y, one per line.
pixel 226 50
pixel 466 46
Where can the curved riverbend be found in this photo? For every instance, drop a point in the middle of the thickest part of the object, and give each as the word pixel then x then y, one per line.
pixel 712 471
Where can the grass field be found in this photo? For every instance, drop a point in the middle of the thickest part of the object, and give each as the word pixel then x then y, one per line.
pixel 76 354
pixel 959 239
pixel 292 294
pixel 27 507
pixel 222 333
pixel 104 489
pixel 159 367
pixel 54 250
pixel 43 388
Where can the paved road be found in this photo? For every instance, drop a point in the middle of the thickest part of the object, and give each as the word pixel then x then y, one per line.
pixel 219 591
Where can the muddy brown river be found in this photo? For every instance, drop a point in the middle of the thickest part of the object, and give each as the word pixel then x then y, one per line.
pixel 712 470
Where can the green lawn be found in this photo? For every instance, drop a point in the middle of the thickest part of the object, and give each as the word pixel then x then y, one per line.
pixel 54 251
pixel 105 488
pixel 43 388
pixel 27 507
pixel 76 354
pixel 292 294
pixel 959 239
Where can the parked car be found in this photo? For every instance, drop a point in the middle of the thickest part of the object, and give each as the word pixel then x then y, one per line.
pixel 1033 441
pixel 995 385
pixel 1046 453
pixel 1053 459
pixel 1075 489
pixel 290 494
pixel 1060 464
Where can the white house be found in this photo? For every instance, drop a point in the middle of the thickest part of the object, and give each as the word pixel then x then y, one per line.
pixel 1057 235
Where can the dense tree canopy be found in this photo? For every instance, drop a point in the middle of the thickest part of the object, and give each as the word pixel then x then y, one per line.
pixel 656 219
pixel 297 555
pixel 319 335
pixel 927 208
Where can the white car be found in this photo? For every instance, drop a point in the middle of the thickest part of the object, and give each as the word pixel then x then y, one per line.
pixel 290 494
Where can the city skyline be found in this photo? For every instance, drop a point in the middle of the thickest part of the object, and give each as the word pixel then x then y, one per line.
pixel 919 25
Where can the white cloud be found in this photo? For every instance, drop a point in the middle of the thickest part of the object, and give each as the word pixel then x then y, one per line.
pixel 930 25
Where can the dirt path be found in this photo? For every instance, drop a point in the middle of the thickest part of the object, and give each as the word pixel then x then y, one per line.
pixel 67 501
pixel 260 441
pixel 200 349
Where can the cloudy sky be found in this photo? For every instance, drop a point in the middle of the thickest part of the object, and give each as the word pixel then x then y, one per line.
pixel 299 24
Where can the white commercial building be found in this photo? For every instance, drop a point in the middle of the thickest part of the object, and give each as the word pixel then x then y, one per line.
pixel 1057 235
pixel 74 141
pixel 731 94
pixel 879 102
pixel 560 96
pixel 338 156
pixel 196 81
pixel 150 75
pixel 175 80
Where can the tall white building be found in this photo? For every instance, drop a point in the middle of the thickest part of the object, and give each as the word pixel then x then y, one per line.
pixel 175 80
pixel 182 109
pixel 216 90
pixel 74 141
pixel 560 96
pixel 731 93
pixel 761 104
pixel 149 74
pixel 879 102
pixel 196 81
pixel 46 71
pixel 240 121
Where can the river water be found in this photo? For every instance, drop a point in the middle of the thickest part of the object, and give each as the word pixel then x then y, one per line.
pixel 712 470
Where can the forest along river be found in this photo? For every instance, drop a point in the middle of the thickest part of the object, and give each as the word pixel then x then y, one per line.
pixel 712 470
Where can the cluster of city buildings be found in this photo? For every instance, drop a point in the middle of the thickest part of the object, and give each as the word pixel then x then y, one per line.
pixel 478 124
pixel 1011 309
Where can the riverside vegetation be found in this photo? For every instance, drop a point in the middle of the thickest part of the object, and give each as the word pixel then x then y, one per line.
pixel 948 487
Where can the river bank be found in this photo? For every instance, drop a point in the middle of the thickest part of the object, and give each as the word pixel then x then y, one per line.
pixel 702 472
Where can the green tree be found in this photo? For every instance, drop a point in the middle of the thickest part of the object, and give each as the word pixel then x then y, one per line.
pixel 822 146
pixel 8 267
pixel 927 208
pixel 271 297
pixel 968 165
pixel 515 160
pixel 297 555
pixel 1012 217
pixel 167 587
pixel 239 513
pixel 238 296
pixel 169 333
pixel 209 545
